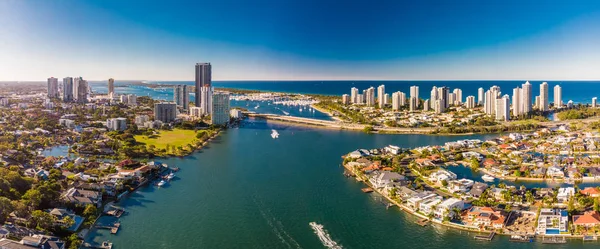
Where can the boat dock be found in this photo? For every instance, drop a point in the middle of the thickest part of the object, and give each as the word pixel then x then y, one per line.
pixel 422 222
pixel 104 245
pixel 589 238
pixel 488 237
pixel 367 190
pixel 116 212
pixel 113 229
pixel 520 238
pixel 554 240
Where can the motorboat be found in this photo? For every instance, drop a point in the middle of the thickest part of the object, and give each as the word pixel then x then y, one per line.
pixel 170 176
pixel 488 178
pixel 161 183
pixel 274 134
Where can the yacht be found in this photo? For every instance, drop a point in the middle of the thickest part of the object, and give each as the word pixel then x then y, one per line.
pixel 170 176
pixel 257 106
pixel 488 178
pixel 161 183
pixel 274 134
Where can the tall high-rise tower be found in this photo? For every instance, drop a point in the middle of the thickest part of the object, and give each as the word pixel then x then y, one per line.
pixel 67 92
pixel 203 79
pixel 111 87
pixel 557 96
pixel 52 87
pixel 181 96
pixel 543 97
pixel 381 96
pixel 526 97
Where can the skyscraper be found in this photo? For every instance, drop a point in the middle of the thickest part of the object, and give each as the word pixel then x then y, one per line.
pixel 67 93
pixel 414 95
pixel 181 96
pixel 381 96
pixel 345 99
pixel 370 96
pixel 503 108
pixel 526 98
pixel 165 111
pixel 470 102
pixel 426 105
pixel 203 79
pixel 517 106
pixel 434 96
pixel 480 96
pixel 543 97
pixel 354 95
pixel 76 88
pixel 111 87
pixel 594 102
pixel 206 93
pixel 82 90
pixel 52 87
pixel 443 97
pixel 457 96
pixel 557 96
pixel 220 108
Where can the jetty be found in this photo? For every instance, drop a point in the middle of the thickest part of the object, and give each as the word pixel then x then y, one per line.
pixel 422 222
pixel 554 240
pixel 520 238
pixel 104 245
pixel 589 238
pixel 116 212
pixel 113 228
pixel 367 190
pixel 488 237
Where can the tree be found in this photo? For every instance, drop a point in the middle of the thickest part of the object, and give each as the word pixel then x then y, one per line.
pixel 6 208
pixel 571 205
pixel 43 221
pixel 368 129
pixel 90 211
pixel 32 198
pixel 596 205
pixel 474 163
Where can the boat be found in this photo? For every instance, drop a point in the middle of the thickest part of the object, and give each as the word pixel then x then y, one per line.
pixel 257 106
pixel 520 238
pixel 161 183
pixel 274 134
pixel 488 178
pixel 170 176
pixel 324 236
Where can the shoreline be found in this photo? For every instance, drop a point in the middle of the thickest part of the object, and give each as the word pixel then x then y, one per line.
pixel 447 224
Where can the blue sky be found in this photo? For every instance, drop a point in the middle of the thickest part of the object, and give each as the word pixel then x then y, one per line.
pixel 300 40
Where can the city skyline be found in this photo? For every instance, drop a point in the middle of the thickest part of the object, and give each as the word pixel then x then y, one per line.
pixel 393 41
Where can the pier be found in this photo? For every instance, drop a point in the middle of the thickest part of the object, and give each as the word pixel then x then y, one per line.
pixel 488 237
pixel 554 240
pixel 113 229
pixel 367 190
pixel 422 222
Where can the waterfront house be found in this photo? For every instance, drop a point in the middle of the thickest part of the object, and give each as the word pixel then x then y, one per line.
pixel 594 172
pixel 552 222
pixel 555 171
pixel 82 197
pixel 60 215
pixel 588 219
pixel 446 208
pixel 591 192
pixel 384 178
pixel 430 205
pixel 484 217
pixel 415 201
pixel 478 189
pixel 405 192
pixel 564 194
pixel 461 185
pixel 471 154
pixel 392 149
pixel 539 172
pixel 442 175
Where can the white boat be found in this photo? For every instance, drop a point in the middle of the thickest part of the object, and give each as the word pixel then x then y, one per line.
pixel 161 183
pixel 257 106
pixel 300 109
pixel 324 236
pixel 274 134
pixel 286 113
pixel 170 176
pixel 488 178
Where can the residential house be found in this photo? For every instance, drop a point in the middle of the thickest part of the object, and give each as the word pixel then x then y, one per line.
pixel 447 207
pixel 384 178
pixel 591 192
pixel 485 218
pixel 83 197
pixel 552 222
pixel 588 219
pixel 462 185
pixel 555 171
pixel 564 194
pixel 415 201
pixel 430 205
pixel 478 189
pixel 442 175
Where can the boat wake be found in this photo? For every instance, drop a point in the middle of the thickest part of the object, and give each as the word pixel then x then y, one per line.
pixel 277 227
pixel 324 236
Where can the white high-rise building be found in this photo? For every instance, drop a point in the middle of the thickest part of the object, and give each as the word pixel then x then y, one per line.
pixel 543 97
pixel 594 102
pixel 381 96
pixel 433 96
pixel 557 96
pixel 206 96
pixel 426 105
pixel 526 98
pixel 457 96
pixel 360 99
pixel 165 111
pixel 480 96
pixel 181 96
pixel 67 94
pixel 490 100
pixel 52 88
pixel 443 93
pixel 452 98
pixel 503 108
pixel 220 109
pixel 346 99
pixel 537 102
pixel 116 124
pixel 111 87
pixel 386 98
pixel 414 93
pixel 470 102
pixel 439 106
pixel 131 99
pixel 354 95
pixel 195 111
pixel 396 100
pixel 413 104
pixel 517 106
pixel 370 96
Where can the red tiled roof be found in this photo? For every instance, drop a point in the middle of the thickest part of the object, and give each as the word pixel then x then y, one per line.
pixel 587 218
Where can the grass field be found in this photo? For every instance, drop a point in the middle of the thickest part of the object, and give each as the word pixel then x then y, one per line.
pixel 176 137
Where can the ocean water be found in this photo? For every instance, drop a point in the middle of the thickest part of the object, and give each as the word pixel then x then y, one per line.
pixel 578 91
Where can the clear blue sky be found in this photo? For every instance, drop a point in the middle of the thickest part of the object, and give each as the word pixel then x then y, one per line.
pixel 293 39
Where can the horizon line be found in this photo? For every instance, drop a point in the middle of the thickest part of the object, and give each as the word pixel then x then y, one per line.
pixel 324 80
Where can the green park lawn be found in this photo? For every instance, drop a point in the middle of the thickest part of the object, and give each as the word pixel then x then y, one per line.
pixel 175 138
